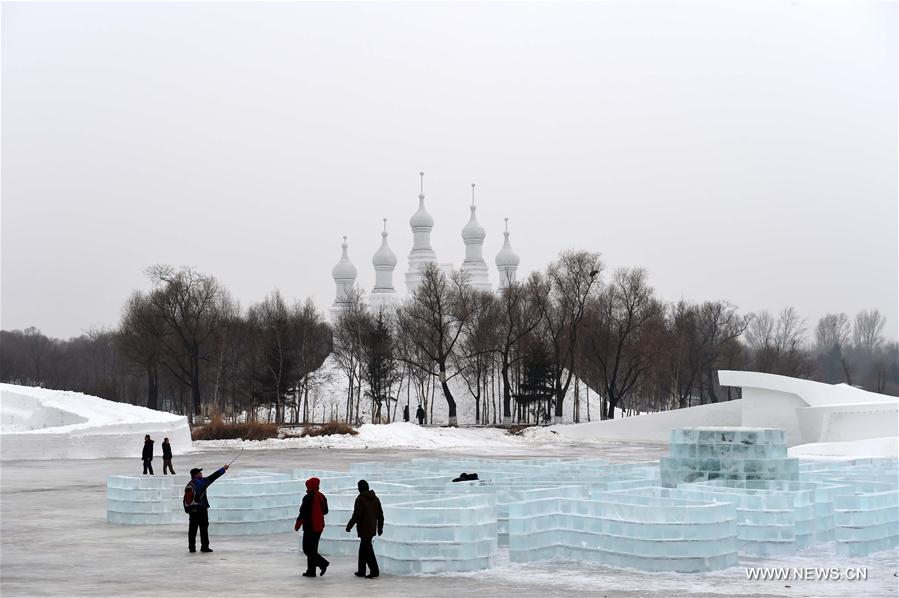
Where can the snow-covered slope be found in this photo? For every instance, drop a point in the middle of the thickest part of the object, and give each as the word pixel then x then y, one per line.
pixel 38 423
pixel 330 397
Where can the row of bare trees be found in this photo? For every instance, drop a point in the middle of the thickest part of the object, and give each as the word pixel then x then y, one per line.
pixel 572 323
pixel 186 346
pixel 525 353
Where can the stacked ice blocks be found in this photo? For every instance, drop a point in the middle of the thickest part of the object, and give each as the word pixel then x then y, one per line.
pixel 865 503
pixel 254 503
pixel 773 517
pixel 650 531
pixel 139 500
pixel 450 534
pixel 702 454
pixel 616 514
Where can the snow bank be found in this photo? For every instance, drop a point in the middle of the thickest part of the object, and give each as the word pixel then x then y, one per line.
pixel 852 449
pixel 38 423
pixel 649 427
pixel 398 435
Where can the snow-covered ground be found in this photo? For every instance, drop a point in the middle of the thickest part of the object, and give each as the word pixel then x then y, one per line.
pixel 851 449
pixel 39 423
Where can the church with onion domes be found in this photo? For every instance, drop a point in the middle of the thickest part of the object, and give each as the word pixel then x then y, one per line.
pixel 384 293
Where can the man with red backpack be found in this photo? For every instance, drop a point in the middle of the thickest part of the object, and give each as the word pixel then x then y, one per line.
pixel 312 519
pixel 197 506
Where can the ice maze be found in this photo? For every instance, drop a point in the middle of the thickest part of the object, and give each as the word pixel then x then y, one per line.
pixel 720 495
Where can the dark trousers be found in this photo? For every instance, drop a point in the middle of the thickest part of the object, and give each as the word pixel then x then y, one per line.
pixel 198 519
pixel 367 556
pixel 167 464
pixel 148 467
pixel 310 549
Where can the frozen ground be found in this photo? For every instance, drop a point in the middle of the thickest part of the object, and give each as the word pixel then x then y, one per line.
pixel 54 540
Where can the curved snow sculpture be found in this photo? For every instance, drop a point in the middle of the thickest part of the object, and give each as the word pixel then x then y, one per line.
pixel 813 411
pixel 38 423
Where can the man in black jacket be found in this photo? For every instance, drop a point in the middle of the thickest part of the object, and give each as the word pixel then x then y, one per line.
pixel 197 506
pixel 368 517
pixel 167 457
pixel 147 455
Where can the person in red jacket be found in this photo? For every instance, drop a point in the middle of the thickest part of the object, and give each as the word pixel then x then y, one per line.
pixel 312 519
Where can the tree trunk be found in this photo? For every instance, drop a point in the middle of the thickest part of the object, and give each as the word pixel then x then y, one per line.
pixel 450 402
pixel 152 387
pixel 195 383
pixel 507 394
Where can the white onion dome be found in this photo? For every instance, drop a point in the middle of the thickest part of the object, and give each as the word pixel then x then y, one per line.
pixel 507 256
pixel 344 268
pixel 384 256
pixel 473 231
pixel 421 218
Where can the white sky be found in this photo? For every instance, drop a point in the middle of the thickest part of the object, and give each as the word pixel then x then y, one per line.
pixel 742 151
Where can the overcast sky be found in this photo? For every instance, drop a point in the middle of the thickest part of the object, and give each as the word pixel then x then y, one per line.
pixel 738 151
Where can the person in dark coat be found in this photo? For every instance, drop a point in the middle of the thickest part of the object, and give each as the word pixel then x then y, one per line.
pixel 147 455
pixel 420 414
pixel 197 506
pixel 368 517
pixel 406 413
pixel 167 457
pixel 312 519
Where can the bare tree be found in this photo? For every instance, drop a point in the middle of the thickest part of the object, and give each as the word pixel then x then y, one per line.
pixel 625 334
pixel 832 330
pixel 777 343
pixel 519 315
pixel 719 325
pixel 868 332
pixel 142 329
pixel 349 331
pixel 562 296
pixel 433 320
pixel 193 306
pixel 479 343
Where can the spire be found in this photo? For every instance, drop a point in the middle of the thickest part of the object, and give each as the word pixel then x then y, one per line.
pixel 421 223
pixel 473 235
pixel 384 260
pixel 344 274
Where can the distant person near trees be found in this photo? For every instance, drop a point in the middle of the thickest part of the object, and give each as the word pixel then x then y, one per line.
pixel 312 519
pixel 147 455
pixel 167 457
pixel 368 517
pixel 420 414
pixel 406 413
pixel 197 506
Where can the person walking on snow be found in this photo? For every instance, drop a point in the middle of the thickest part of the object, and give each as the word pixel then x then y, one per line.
pixel 147 455
pixel 197 506
pixel 420 414
pixel 312 519
pixel 368 517
pixel 406 413
pixel 167 457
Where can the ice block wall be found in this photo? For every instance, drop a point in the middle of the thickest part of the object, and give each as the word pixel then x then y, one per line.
pixel 702 454
pixel 651 532
pixel 617 514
